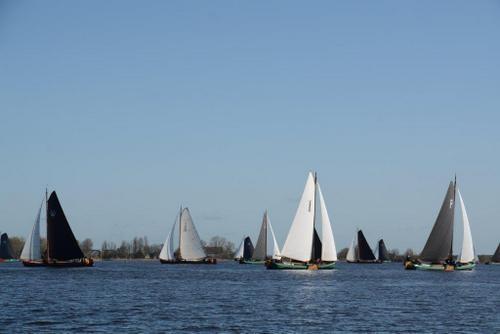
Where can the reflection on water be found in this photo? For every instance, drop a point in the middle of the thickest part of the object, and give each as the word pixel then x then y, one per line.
pixel 149 297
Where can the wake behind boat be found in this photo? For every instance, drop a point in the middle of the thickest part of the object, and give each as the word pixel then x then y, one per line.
pixel 190 249
pixel 260 254
pixel 303 248
pixel 437 254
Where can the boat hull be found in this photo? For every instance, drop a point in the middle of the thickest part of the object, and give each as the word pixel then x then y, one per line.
pixel 205 261
pixel 273 265
pixel 34 264
pixel 443 267
pixel 252 262
pixel 85 262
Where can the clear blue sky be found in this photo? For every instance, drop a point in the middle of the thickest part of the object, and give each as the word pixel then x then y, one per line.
pixel 129 109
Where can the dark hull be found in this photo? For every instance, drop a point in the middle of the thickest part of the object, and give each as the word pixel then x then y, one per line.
pixel 34 264
pixel 85 262
pixel 205 261
pixel 364 262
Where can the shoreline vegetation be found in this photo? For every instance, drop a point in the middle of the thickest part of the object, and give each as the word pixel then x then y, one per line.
pixel 217 247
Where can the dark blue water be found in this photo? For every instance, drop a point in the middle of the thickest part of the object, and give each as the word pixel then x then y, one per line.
pixel 145 296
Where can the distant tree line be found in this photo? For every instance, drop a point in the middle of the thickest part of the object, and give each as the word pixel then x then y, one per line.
pixel 218 247
pixel 139 248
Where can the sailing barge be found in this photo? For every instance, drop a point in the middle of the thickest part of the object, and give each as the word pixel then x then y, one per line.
pixel 190 249
pixel 360 251
pixel 437 254
pixel 303 248
pixel 260 254
pixel 62 247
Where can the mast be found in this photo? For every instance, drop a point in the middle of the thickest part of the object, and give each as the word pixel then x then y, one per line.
pixel 47 222
pixel 180 231
pixel 265 239
pixel 314 214
pixel 454 193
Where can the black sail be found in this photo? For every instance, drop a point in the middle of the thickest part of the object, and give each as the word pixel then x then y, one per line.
pixel 247 248
pixel 6 252
pixel 61 242
pixel 496 256
pixel 260 251
pixel 365 252
pixel 316 247
pixel 439 245
pixel 383 254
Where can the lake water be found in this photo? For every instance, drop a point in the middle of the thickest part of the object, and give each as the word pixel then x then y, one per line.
pixel 145 296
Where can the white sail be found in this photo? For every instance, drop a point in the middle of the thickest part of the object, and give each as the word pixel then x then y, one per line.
pixel 467 254
pixel 241 248
pixel 351 253
pixel 191 248
pixel 31 249
pixel 276 250
pixel 167 251
pixel 299 241
pixel 328 250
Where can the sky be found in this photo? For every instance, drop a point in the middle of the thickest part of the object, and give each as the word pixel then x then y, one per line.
pixel 129 109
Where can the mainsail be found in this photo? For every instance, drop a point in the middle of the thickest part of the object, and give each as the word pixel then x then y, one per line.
pixel 61 242
pixel 191 248
pixel 247 249
pixel 260 251
pixel 31 249
pixel 496 256
pixel 467 254
pixel 6 252
pixel 364 251
pixel 439 245
pixel 299 241
pixel 261 248
pixel 383 255
pixel 328 251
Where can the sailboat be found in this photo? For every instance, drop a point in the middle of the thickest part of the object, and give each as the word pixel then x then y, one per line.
pixel 31 253
pixel 260 254
pixel 62 248
pixel 438 250
pixel 303 248
pixel 382 253
pixel 245 250
pixel 190 248
pixel 360 251
pixel 6 253
pixel 495 259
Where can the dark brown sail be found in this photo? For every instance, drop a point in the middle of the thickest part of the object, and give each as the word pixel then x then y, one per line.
pixel 5 248
pixel 247 249
pixel 383 254
pixel 439 245
pixel 496 257
pixel 61 243
pixel 365 252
